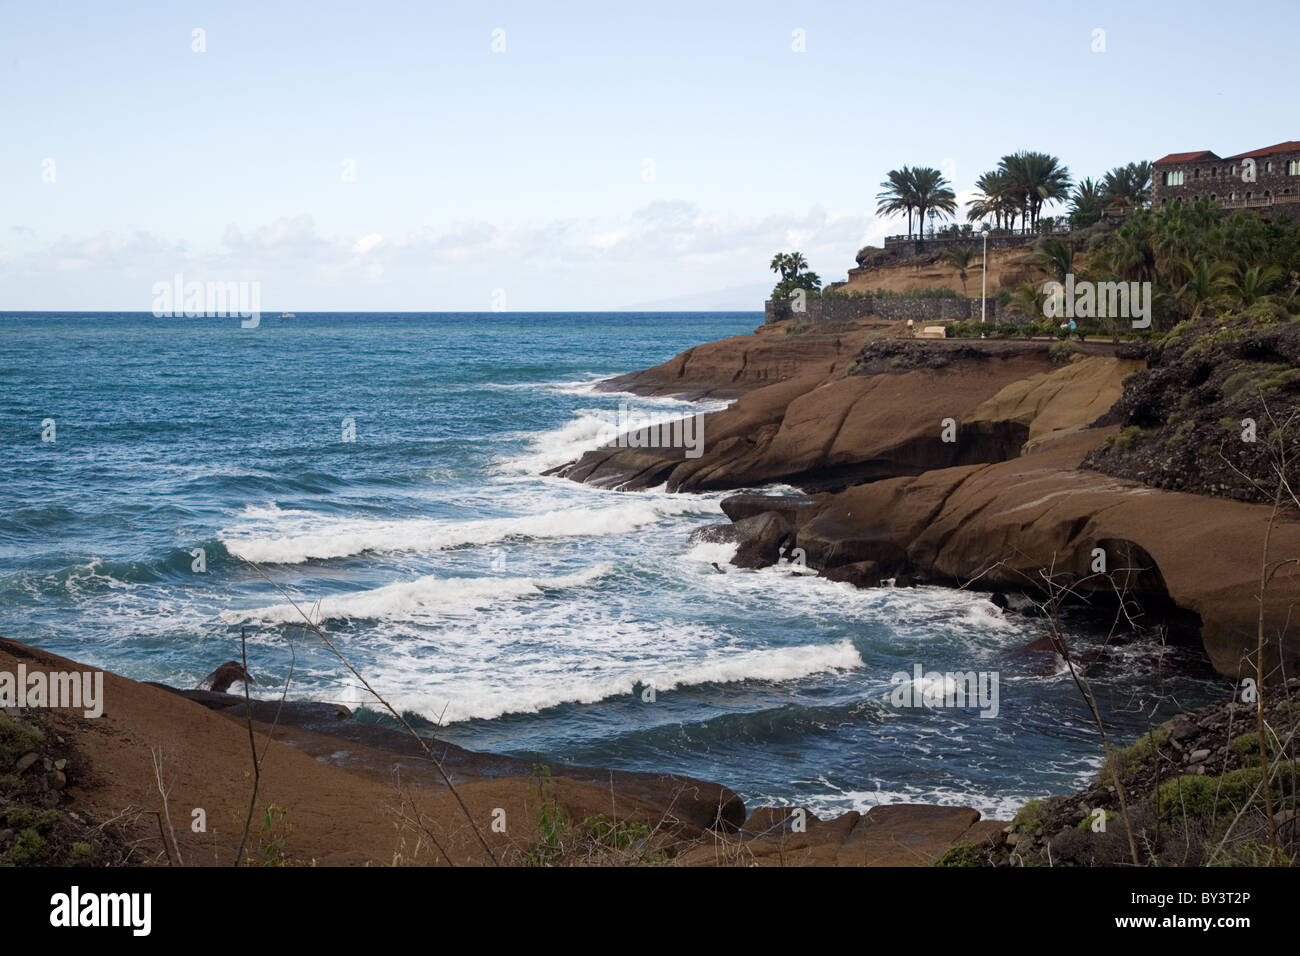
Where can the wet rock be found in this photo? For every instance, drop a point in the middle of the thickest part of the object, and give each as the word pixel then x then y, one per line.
pixel 761 539
pixel 724 533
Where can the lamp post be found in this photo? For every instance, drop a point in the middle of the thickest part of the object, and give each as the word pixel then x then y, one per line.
pixel 984 275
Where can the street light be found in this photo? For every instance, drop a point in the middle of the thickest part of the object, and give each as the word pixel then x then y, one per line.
pixel 984 275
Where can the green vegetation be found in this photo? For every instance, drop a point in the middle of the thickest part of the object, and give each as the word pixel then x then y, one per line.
pixel 1128 758
pixel 1062 352
pixel 1029 817
pixel 275 829
pixel 557 842
pixel 919 189
pixel 1021 186
pixel 1087 822
pixel 1124 442
pixel 963 854
pixel 16 740
pixel 1207 800
pixel 960 257
pixel 793 268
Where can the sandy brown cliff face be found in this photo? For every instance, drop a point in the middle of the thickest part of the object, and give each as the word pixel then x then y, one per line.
pixel 1002 499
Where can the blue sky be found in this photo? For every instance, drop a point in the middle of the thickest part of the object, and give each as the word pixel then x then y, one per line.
pixel 614 155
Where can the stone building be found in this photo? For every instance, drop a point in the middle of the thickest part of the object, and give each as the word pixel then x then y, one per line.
pixel 1261 180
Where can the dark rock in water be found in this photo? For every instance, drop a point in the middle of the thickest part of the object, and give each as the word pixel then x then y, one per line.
pixel 999 600
pixel 761 539
pixel 861 574
pixel 1043 644
pixel 794 507
pixel 835 538
pixel 721 533
pixel 219 680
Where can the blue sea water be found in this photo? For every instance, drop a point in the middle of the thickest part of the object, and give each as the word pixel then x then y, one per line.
pixel 384 470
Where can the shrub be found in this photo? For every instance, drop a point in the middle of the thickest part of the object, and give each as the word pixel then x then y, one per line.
pixel 16 740
pixel 1128 758
pixel 1062 352
pixel 1029 817
pixel 963 854
pixel 1206 799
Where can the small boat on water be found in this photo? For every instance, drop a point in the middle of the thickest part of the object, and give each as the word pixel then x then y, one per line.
pixel 287 315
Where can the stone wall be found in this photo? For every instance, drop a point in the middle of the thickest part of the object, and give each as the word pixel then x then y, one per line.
pixel 848 308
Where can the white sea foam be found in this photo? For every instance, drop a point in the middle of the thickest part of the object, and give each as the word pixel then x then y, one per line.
pixel 322 537
pixel 405 600
pixel 590 428
pixel 523 691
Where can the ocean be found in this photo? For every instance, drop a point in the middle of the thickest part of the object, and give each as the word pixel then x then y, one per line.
pixel 384 470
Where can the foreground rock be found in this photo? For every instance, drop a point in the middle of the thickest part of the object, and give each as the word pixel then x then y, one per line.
pixel 907 834
pixel 349 793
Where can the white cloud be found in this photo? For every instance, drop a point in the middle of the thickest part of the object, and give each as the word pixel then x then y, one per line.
pixel 366 243
pixel 654 252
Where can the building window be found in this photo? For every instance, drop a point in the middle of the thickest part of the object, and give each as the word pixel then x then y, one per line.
pixel 1232 170
pixel 1214 171
pixel 1268 166
pixel 1232 196
pixel 1293 167
pixel 1213 197
pixel 1174 177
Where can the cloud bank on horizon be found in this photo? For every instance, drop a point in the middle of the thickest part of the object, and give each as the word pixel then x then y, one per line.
pixel 389 156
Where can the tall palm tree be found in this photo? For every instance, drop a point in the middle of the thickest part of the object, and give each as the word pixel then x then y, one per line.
pixel 1035 180
pixel 993 200
pixel 1130 184
pixel 898 195
pixel 1087 202
pixel 932 194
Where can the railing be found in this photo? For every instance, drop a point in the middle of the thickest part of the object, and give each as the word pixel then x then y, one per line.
pixel 976 235
pixel 1257 201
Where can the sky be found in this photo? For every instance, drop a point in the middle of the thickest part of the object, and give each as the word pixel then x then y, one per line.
pixel 432 156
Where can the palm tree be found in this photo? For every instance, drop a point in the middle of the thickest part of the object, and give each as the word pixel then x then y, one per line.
pixel 960 257
pixel 1247 286
pixel 1057 257
pixel 789 264
pixel 993 201
pixel 932 194
pixel 1197 294
pixel 1087 202
pixel 898 195
pixel 1035 180
pixel 1130 184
